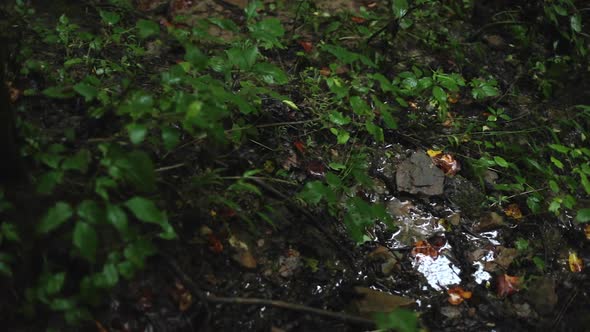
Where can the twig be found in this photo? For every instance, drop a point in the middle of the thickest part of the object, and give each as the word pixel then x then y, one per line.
pixel 192 286
pixel 167 168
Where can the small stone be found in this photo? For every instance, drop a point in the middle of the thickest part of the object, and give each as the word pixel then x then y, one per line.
pixel 419 175
pixel 451 312
pixel 489 222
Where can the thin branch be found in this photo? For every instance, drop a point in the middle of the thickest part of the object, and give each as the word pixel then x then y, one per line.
pixel 192 286
pixel 488 26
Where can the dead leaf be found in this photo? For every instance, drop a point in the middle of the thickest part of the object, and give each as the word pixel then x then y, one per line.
pixel 575 262
pixel 358 20
pixel 289 263
pixel 100 327
pixel 245 259
pixel 446 162
pixel 306 45
pixel 424 248
pixel 513 211
pixel 457 295
pixel 504 257
pixel 372 301
pixel 507 285
pixel 325 71
pixel 182 296
pixel 300 146
pixel 587 231
pixel 316 168
pixel 215 244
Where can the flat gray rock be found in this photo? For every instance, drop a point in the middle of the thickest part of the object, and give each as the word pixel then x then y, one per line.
pixel 419 175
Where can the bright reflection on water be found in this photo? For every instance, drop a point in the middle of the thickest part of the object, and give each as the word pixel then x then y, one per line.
pixel 440 272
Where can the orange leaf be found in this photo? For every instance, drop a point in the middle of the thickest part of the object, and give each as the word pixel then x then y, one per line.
pixel 214 244
pixel 507 285
pixel 575 262
pixel 357 19
pixel 587 231
pixel 457 295
pixel 300 146
pixel 306 45
pixel 325 71
pixel 447 163
pixel 513 211
pixel 424 248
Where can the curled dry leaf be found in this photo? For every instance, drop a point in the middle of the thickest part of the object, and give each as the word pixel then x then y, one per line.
pixel 325 71
pixel 457 295
pixel 446 162
pixel 215 244
pixel 306 45
pixel 587 231
pixel 424 248
pixel 316 168
pixel 300 146
pixel 182 296
pixel 575 262
pixel 507 285
pixel 513 211
pixel 358 20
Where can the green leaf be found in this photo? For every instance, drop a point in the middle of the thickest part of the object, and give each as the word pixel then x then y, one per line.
pixel 576 23
pixel 58 92
pixel 90 211
pixel 339 118
pixel 337 166
pixel 270 73
pixel 9 231
pixel 242 186
pixel 86 90
pixel 401 320
pixel 399 8
pixel 48 181
pixel 53 283
pixel 137 132
pixel 359 106
pixel 342 136
pixel 138 251
pixel 439 94
pixel 5 270
pixel 137 168
pixel 170 137
pixel 117 217
pixel 313 192
pixel 86 240
pixel 559 148
pixel 78 162
pixel 243 57
pixel 583 215
pixel 556 162
pixel 501 161
pixel 56 216
pixel 585 183
pixel 147 28
pixel 268 31
pixel 110 18
pixel 196 57
pixel 146 211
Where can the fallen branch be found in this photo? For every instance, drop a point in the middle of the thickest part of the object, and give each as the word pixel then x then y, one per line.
pixel 206 297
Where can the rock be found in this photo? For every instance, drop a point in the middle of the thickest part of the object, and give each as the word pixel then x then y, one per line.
pixel 371 301
pixel 451 312
pixel 418 175
pixel 464 195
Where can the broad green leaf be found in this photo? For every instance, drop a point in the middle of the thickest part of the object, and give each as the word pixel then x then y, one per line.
pixel 137 132
pixel 342 136
pixel 313 192
pixel 78 162
pixel 337 166
pixel 90 211
pixel 117 217
pixel 439 94
pixel 170 137
pixel 138 251
pixel 110 18
pixel 196 57
pixel 556 162
pixel 576 23
pixel 55 217
pixel 146 211
pixel 9 232
pixel 137 168
pixel 559 148
pixel 401 320
pixel 583 215
pixel 86 240
pixel 359 106
pixel 243 57
pixel 53 283
pixel 501 161
pixel 86 90
pixel 47 182
pixel 58 92
pixel 147 28
pixel 339 118
pixel 270 73
pixel 267 32
pixel 399 8
pixel 585 183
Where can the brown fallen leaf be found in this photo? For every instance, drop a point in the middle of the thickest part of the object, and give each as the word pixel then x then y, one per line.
pixel 245 259
pixel 306 45
pixel 424 248
pixel 507 285
pixel 587 231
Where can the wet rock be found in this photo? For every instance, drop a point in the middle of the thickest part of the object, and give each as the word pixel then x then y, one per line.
pixel 541 294
pixel 504 257
pixel 418 175
pixel 524 310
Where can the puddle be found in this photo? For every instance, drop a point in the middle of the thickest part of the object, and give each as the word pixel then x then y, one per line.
pixel 440 272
